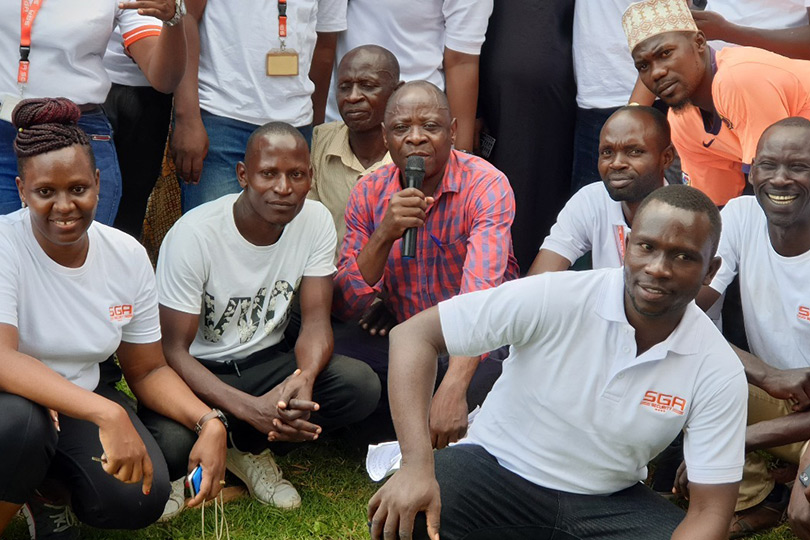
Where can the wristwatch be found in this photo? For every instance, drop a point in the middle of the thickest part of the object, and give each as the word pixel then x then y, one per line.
pixel 215 413
pixel 179 11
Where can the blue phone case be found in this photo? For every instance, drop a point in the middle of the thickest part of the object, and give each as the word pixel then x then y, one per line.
pixel 194 480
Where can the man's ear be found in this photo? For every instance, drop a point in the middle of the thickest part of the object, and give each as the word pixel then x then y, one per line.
pixel 668 156
pixel 714 266
pixel 385 138
pixel 453 127
pixel 700 41
pixel 241 175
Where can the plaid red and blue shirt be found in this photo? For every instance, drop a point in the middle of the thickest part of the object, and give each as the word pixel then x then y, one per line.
pixel 465 244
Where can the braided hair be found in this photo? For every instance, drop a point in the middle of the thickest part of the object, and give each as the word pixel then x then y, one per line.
pixel 47 124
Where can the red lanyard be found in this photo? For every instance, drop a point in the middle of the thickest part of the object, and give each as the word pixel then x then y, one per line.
pixel 29 10
pixel 282 18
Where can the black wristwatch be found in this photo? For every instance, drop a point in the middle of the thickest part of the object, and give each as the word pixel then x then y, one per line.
pixel 215 413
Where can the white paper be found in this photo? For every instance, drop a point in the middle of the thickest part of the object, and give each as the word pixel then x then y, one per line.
pixel 384 459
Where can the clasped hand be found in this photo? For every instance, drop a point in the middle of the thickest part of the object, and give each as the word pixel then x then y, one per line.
pixel 283 412
pixel 161 9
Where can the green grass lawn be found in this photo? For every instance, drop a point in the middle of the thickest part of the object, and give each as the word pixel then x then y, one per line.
pixel 331 478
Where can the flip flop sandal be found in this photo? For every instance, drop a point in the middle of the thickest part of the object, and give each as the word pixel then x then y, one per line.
pixel 763 516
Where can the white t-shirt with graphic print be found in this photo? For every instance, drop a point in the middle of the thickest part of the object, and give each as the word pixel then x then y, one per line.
pixel 775 290
pixel 242 292
pixel 72 319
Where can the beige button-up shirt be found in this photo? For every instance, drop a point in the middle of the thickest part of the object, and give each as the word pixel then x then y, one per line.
pixel 336 171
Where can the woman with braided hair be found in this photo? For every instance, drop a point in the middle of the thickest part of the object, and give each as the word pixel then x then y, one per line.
pixel 50 48
pixel 73 293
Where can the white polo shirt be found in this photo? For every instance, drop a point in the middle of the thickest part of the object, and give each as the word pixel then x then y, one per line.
pixel 416 32
pixel 590 221
pixel 72 319
pixel 68 40
pixel 235 36
pixel 121 68
pixel 775 290
pixel 575 409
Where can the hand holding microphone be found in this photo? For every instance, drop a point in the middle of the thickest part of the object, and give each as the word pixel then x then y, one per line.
pixel 414 176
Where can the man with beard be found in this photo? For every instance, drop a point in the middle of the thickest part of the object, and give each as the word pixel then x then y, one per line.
pixel 634 152
pixel 766 241
pixel 721 101
pixel 345 151
pixel 605 368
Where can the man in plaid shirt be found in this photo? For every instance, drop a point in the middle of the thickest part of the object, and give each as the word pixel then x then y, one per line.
pixel 463 215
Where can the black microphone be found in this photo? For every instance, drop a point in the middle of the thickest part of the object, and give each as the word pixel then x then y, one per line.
pixel 414 175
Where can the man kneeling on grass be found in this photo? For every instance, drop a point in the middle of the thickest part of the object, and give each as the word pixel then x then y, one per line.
pixel 606 367
pixel 227 275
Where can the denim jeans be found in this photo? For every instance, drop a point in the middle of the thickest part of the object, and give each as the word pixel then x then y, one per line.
pixel 98 128
pixel 586 146
pixel 482 500
pixel 227 140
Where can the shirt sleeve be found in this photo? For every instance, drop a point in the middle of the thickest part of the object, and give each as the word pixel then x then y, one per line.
pixel 466 24
pixel 355 294
pixel 570 235
pixel 144 327
pixel 134 27
pixel 714 436
pixel 489 242
pixel 315 154
pixel 181 271
pixel 331 16
pixel 321 260
pixel 482 321
pixel 9 281
pixel 729 247
pixel 753 97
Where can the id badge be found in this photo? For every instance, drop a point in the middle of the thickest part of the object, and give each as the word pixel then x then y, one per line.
pixel 7 104
pixel 282 63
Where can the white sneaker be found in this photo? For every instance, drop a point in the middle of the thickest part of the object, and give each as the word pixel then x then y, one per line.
pixel 263 478
pixel 176 502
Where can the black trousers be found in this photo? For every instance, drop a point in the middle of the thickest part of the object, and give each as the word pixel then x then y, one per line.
pixel 482 500
pixel 32 450
pixel 346 390
pixel 140 118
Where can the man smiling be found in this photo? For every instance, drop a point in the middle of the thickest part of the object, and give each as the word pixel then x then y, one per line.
pixel 227 275
pixel 462 214
pixel 766 240
pixel 605 368
pixel 721 102
pixel 634 152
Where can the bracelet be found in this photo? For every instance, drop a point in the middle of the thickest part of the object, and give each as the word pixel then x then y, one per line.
pixel 215 413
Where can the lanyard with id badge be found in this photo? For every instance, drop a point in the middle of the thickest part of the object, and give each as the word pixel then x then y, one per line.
pixel 28 12
pixel 282 62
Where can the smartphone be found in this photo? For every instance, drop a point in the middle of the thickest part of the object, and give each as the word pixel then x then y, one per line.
pixel 193 481
pixel 804 478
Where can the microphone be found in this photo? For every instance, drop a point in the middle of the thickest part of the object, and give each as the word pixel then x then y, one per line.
pixel 414 175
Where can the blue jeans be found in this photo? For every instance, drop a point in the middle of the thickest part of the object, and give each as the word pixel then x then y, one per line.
pixel 482 500
pixel 586 146
pixel 227 140
pixel 98 128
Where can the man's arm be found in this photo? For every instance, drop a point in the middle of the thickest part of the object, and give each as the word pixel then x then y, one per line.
pixel 365 249
pixel 548 261
pixel 414 347
pixel 792 384
pixel 162 59
pixel 320 73
pixel 791 42
pixel 709 513
pixel 189 140
pixel 461 84
pixel 799 508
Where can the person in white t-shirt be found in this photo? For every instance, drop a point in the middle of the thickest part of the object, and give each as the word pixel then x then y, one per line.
pixel 433 40
pixel 634 151
pixel 227 276
pixel 73 293
pixel 605 368
pixel 67 44
pixel 238 78
pixel 766 242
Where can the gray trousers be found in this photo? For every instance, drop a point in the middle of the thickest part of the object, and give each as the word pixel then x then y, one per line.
pixel 481 500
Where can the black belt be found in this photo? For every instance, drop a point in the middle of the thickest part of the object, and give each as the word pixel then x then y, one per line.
pixel 220 367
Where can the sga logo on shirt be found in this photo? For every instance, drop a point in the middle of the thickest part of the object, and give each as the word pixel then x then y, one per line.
pixel 804 313
pixel 121 313
pixel 664 402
